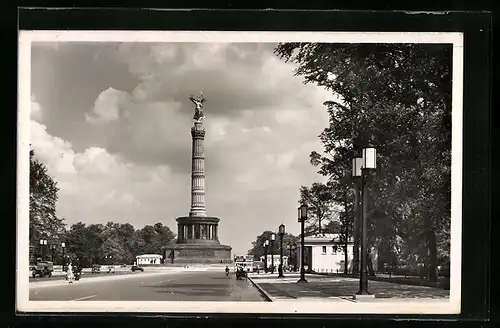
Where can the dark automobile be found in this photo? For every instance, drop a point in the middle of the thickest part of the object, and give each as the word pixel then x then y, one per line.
pixel 96 268
pixel 137 268
pixel 78 273
pixel 241 273
pixel 43 269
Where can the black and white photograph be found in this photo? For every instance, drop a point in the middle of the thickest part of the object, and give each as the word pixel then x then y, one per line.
pixel 245 172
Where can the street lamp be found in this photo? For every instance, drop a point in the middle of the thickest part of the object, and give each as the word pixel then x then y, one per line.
pixel 357 165
pixel 266 244
pixel 302 217
pixel 273 239
pixel 281 232
pixel 63 246
pixel 43 242
pixel 369 163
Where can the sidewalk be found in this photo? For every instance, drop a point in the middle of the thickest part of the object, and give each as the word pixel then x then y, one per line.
pixel 338 289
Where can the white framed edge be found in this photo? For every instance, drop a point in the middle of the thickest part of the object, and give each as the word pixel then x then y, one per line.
pixel 425 306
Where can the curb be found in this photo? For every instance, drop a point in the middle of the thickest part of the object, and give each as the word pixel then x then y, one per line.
pixel 266 295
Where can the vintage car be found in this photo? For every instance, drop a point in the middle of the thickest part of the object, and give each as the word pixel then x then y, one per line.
pixel 96 268
pixel 241 273
pixel 111 269
pixel 137 268
pixel 43 269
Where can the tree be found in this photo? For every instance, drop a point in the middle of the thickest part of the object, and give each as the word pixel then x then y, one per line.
pixel 76 243
pixel 156 237
pixel 126 237
pixel 397 96
pixel 44 222
pixel 257 249
pixel 165 236
pixel 319 198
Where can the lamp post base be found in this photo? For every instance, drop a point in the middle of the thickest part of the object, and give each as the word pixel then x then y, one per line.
pixel 302 280
pixel 281 275
pixel 364 296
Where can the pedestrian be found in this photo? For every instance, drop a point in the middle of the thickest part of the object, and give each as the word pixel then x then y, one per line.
pixel 70 273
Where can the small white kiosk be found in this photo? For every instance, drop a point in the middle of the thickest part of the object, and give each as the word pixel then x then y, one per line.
pixel 148 259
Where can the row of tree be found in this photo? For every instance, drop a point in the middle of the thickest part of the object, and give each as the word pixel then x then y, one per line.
pixel 258 250
pixel 398 98
pixel 96 243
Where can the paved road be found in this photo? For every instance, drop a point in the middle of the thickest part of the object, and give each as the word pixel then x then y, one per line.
pixel 162 286
pixel 85 275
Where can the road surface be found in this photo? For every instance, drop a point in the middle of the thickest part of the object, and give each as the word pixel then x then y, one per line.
pixel 161 286
pixel 85 275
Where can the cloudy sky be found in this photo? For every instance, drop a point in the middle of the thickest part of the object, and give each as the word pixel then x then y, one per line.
pixel 112 123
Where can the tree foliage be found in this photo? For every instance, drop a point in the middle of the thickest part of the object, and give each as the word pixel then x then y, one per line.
pixel 115 242
pixel 44 223
pixel 257 249
pixel 322 212
pixel 398 97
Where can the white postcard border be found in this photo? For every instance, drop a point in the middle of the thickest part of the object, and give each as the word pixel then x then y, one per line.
pixel 423 306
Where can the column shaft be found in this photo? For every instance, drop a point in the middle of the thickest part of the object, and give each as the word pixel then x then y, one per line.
pixel 198 172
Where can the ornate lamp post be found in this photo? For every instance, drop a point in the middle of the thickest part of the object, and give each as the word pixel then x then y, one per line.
pixel 357 164
pixel 43 243
pixel 273 239
pixel 63 246
pixel 302 217
pixel 266 244
pixel 369 165
pixel 281 233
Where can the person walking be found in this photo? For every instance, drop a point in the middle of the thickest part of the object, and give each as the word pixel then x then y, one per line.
pixel 70 273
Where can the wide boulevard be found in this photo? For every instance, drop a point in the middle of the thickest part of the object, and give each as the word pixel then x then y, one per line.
pixel 143 286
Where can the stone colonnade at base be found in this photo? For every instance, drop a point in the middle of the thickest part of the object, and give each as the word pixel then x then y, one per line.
pixel 189 231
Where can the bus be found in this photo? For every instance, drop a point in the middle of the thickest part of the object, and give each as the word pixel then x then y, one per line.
pixel 245 261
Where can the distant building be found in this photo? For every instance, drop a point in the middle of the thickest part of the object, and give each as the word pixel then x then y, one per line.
pixel 324 253
pixel 148 259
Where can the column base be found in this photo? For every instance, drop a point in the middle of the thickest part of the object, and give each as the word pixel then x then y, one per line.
pixel 302 281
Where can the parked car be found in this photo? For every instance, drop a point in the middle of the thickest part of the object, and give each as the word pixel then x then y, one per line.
pixel 96 268
pixel 111 269
pixel 137 268
pixel 43 268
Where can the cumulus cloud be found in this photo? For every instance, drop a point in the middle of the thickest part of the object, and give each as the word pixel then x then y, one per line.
pixel 107 106
pixel 128 156
pixel 96 186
